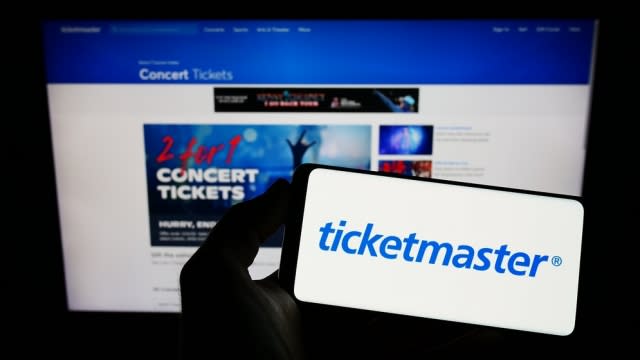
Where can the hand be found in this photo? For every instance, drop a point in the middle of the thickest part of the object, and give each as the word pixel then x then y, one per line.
pixel 227 314
pixel 223 310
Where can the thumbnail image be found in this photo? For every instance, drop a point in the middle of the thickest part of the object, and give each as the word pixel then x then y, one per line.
pixel 399 100
pixel 420 168
pixel 406 140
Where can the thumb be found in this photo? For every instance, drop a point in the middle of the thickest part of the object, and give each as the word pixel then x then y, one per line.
pixel 246 225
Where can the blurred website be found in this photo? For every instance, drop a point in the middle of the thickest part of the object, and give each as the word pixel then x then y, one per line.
pixel 156 139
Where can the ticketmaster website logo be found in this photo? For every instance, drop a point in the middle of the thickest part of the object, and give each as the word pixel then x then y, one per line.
pixel 410 249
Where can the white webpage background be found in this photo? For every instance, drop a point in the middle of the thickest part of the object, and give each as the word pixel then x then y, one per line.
pixel 437 212
pixel 99 155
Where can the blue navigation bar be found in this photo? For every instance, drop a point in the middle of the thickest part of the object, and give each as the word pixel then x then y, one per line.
pixel 320 51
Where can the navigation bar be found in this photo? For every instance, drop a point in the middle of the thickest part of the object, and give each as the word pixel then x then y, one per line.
pixel 321 51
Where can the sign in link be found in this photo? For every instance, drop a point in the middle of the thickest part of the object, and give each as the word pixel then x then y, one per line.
pixel 410 249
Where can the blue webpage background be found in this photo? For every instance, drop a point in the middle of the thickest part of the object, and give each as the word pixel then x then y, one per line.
pixel 327 52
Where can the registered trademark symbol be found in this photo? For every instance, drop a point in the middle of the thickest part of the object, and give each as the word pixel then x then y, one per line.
pixel 556 261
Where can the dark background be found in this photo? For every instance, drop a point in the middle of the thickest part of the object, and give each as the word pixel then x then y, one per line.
pixel 38 322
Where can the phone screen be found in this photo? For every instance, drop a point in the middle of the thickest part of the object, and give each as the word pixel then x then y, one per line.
pixel 442 251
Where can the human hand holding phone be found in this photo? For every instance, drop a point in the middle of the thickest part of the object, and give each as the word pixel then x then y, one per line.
pixel 225 311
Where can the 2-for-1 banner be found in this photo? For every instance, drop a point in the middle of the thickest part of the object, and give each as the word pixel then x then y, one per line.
pixel 196 172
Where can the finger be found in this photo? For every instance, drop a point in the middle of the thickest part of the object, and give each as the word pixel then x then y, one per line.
pixel 247 225
pixel 263 214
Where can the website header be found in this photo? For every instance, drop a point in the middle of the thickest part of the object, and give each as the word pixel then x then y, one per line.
pixel 320 51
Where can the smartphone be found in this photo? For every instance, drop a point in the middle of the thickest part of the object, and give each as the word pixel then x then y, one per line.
pixel 435 249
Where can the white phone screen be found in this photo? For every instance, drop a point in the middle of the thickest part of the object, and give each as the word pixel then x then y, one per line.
pixel 441 251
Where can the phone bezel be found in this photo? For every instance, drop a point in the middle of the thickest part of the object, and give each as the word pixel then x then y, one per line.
pixel 293 226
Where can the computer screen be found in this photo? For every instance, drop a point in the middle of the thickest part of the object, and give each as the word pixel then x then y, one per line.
pixel 158 127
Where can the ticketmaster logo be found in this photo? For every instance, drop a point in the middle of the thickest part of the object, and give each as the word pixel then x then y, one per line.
pixel 411 249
